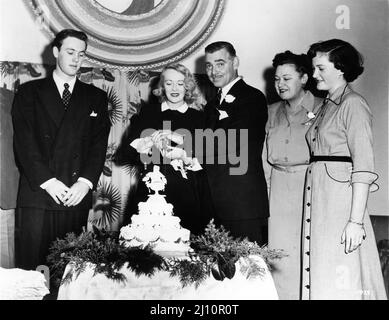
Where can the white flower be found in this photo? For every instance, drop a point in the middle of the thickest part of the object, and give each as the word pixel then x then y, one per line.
pixel 126 233
pixel 311 115
pixel 229 98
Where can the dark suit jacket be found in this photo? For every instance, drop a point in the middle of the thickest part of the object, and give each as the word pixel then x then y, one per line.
pixel 242 196
pixel 51 142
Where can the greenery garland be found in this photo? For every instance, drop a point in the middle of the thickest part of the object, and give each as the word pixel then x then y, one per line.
pixel 215 252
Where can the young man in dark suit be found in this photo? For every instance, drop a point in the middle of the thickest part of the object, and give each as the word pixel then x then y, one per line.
pixel 61 129
pixel 236 177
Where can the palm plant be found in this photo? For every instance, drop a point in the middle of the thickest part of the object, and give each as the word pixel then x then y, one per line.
pixel 114 106
pixel 108 205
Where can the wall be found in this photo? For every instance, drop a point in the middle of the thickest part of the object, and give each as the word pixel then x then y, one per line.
pixel 259 30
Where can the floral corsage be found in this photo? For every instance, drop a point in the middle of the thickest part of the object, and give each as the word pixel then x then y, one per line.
pixel 311 117
pixel 229 98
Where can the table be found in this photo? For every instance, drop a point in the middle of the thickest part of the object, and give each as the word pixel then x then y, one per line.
pixel 18 284
pixel 162 286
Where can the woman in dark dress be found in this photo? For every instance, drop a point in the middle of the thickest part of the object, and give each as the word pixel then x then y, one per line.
pixel 163 134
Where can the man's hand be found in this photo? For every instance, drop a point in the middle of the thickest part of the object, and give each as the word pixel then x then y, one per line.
pixel 76 193
pixel 57 190
pixel 144 145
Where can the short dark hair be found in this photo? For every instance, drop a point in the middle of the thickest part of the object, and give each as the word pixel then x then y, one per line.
pixel 219 45
pixel 342 54
pixel 66 33
pixel 300 61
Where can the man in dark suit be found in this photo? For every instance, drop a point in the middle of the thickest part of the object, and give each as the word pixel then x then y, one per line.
pixel 239 111
pixel 61 129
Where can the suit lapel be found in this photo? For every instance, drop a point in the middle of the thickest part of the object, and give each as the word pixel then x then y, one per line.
pixel 234 92
pixel 52 101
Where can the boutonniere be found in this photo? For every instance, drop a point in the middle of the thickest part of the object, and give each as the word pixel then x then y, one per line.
pixel 229 98
pixel 311 115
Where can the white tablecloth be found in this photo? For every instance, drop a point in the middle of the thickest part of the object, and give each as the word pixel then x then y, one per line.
pixel 18 284
pixel 163 287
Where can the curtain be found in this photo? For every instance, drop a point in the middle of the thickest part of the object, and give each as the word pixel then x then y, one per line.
pixel 7 243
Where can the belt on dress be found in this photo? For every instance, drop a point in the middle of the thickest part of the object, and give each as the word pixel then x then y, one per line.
pixel 290 169
pixel 330 158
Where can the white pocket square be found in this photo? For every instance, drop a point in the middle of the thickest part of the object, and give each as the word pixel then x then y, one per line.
pixel 222 114
pixel 93 114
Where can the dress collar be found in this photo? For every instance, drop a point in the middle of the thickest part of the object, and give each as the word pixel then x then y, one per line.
pixel 337 96
pixel 307 103
pixel 182 109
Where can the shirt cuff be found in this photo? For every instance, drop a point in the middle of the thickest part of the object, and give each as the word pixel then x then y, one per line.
pixel 44 185
pixel 135 145
pixel 195 165
pixel 178 165
pixel 222 114
pixel 366 177
pixel 90 184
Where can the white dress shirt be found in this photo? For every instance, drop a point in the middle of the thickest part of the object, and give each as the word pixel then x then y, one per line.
pixel 59 82
pixel 227 88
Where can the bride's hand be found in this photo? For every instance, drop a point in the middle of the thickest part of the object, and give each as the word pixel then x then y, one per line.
pixel 172 136
pixel 167 134
pixel 158 139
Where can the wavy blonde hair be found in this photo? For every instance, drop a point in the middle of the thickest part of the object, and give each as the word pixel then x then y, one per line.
pixel 192 96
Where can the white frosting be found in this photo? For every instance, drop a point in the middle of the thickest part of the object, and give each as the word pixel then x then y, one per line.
pixel 156 225
pixel 155 205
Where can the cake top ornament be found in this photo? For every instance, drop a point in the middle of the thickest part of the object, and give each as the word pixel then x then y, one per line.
pixel 155 180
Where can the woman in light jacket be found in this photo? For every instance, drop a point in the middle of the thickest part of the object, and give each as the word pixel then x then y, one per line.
pixel 286 158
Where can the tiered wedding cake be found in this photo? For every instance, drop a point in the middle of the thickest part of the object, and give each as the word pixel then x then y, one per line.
pixel 155 223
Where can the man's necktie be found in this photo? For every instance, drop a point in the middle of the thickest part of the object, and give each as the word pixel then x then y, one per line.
pixel 66 95
pixel 218 97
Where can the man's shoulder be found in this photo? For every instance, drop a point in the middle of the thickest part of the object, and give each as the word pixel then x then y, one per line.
pixel 254 90
pixel 33 84
pixel 245 88
pixel 92 88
